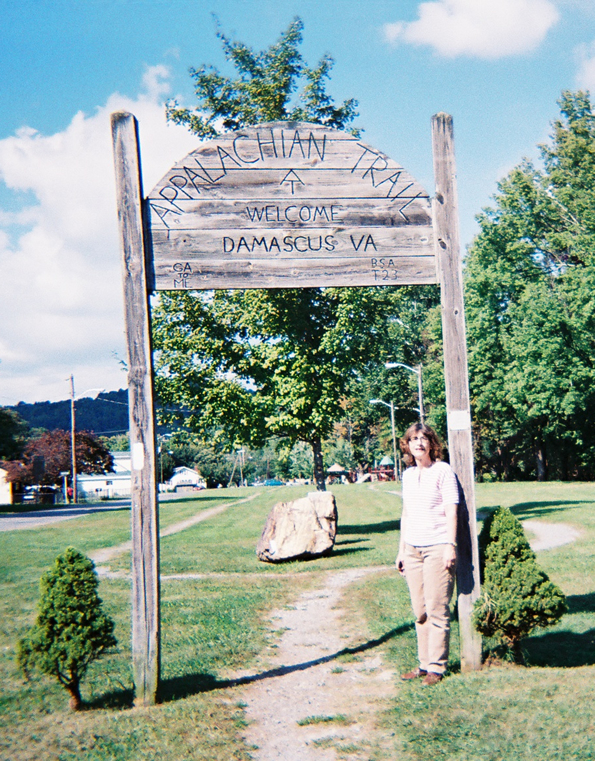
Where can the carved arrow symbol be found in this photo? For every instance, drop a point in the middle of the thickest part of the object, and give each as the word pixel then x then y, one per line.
pixel 292 178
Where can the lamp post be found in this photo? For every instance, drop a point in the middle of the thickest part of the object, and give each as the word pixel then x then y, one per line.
pixel 391 407
pixel 418 371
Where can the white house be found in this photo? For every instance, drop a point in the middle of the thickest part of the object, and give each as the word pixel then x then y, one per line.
pixel 118 484
pixel 108 485
pixel 5 488
pixel 186 478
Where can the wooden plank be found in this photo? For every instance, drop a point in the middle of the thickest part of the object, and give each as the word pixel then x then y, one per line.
pixel 296 181
pixel 145 524
pixel 282 243
pixel 219 213
pixel 456 380
pixel 294 273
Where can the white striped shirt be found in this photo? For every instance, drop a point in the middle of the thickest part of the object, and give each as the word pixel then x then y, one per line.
pixel 425 493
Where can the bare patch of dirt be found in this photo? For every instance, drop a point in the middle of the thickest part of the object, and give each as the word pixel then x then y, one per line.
pixel 323 687
pixel 550 535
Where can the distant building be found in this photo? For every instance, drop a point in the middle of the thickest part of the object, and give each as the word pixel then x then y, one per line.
pixel 118 484
pixel 107 485
pixel 5 488
pixel 185 478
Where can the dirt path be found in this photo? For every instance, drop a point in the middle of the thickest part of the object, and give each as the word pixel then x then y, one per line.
pixel 307 680
pixel 550 535
pixel 106 554
pixel 311 679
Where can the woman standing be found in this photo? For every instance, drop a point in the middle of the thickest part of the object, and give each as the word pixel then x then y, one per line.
pixel 427 550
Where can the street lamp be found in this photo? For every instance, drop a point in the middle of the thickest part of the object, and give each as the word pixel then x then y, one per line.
pixel 92 393
pixel 418 371
pixel 391 407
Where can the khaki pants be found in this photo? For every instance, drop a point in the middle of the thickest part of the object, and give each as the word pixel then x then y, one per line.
pixel 430 586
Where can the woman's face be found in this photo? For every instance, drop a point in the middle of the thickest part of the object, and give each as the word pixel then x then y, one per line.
pixel 419 446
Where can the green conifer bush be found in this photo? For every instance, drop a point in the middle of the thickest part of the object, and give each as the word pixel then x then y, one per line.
pixel 71 629
pixel 517 595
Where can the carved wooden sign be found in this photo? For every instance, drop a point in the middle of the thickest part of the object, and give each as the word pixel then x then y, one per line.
pixel 285 205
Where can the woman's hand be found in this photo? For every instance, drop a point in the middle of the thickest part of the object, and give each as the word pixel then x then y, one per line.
pixel 400 564
pixel 450 556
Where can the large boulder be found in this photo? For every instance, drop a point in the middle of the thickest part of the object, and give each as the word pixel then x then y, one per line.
pixel 303 528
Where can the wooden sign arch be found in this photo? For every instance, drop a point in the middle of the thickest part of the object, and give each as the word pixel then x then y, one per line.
pixel 283 205
pixel 287 205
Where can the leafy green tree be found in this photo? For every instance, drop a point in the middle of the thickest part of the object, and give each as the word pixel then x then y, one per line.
pixel 529 278
pixel 516 595
pixel 13 434
pixel 117 443
pixel 71 630
pixel 263 89
pixel 266 363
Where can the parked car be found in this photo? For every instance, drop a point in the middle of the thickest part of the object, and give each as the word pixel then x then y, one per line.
pixel 273 482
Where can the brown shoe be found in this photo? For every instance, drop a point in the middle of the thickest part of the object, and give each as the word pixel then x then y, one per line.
pixel 431 678
pixel 415 674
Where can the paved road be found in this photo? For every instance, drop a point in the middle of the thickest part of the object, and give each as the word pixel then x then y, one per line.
pixel 37 518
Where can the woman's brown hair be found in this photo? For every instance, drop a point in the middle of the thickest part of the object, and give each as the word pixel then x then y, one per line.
pixel 431 436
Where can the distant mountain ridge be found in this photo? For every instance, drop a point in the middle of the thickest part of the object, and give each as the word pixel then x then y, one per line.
pixel 105 416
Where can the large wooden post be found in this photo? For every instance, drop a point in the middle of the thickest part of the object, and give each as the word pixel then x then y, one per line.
pixel 145 528
pixel 446 221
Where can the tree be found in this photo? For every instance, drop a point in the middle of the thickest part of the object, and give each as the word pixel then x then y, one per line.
pixel 46 457
pixel 71 630
pixel 516 595
pixel 246 365
pixel 263 89
pixel 266 363
pixel 530 315
pixel 13 434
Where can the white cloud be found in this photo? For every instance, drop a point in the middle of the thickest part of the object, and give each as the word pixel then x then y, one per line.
pixel 585 77
pixel 478 28
pixel 60 287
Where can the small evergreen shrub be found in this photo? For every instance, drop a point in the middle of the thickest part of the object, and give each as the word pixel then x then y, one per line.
pixel 516 596
pixel 71 629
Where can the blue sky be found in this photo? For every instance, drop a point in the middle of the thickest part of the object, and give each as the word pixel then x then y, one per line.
pixel 498 66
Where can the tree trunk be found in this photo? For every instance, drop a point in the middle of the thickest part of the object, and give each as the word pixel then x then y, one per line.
pixel 540 461
pixel 318 464
pixel 74 691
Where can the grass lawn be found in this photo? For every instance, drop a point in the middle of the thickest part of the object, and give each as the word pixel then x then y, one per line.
pixel 215 625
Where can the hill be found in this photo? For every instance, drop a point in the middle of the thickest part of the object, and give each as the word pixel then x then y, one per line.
pixel 105 416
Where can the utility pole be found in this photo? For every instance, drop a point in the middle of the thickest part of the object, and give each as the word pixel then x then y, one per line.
pixel 73 445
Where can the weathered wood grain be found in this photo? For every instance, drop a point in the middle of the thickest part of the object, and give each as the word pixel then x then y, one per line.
pixel 279 243
pixel 294 192
pixel 294 273
pixel 145 529
pixel 456 380
pixel 248 213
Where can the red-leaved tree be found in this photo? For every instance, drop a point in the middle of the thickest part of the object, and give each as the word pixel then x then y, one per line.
pixel 46 457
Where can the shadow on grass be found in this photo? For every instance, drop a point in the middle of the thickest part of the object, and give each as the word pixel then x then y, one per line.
pixel 337 552
pixel 539 509
pixel 116 699
pixel 192 684
pixel 369 528
pixel 200 497
pixel 560 649
pixel 351 541
pixel 581 603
